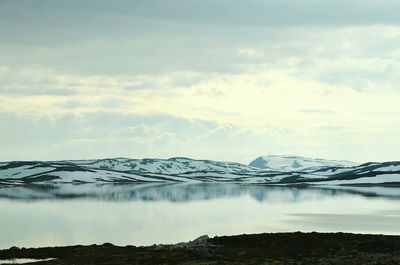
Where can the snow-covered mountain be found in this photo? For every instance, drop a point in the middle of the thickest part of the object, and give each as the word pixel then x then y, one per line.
pixel 174 165
pixel 123 170
pixel 283 170
pixel 296 163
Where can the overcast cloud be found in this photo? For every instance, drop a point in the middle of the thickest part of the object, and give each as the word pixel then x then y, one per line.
pixel 225 80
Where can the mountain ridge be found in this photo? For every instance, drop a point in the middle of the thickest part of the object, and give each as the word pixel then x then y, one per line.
pixel 285 170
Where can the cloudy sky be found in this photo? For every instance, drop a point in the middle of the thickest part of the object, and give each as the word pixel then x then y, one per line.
pixel 225 80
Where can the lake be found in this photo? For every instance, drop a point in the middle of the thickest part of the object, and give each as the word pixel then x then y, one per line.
pixel 35 216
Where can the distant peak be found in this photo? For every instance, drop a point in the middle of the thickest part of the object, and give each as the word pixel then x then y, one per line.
pixel 293 163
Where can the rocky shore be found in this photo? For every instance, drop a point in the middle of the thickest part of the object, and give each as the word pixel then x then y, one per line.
pixel 271 248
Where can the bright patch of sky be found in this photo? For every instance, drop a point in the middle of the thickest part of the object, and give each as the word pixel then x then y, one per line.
pixel 224 80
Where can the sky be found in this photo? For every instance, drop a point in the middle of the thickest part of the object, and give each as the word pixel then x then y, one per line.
pixel 225 80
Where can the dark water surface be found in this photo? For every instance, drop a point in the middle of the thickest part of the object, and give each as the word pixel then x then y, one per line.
pixel 146 214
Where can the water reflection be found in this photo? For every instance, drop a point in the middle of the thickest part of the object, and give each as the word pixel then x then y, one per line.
pixel 146 214
pixel 185 192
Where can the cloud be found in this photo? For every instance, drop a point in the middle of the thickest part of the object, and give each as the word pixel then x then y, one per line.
pixel 139 130
pixel 221 13
pixel 251 53
pixel 156 78
pixel 113 134
pixel 103 134
pixel 138 37
pixel 317 111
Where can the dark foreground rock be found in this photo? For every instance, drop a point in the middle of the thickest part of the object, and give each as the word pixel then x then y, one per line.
pixel 277 248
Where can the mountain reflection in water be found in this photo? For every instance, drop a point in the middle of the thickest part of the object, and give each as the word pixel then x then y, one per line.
pixel 38 215
pixel 187 192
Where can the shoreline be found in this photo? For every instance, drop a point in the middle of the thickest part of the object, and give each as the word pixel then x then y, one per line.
pixel 266 248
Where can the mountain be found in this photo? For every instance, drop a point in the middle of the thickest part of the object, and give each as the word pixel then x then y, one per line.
pixel 282 170
pixel 174 165
pixel 296 163
pixel 122 170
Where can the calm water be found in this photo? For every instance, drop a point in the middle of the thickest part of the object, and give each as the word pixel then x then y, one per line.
pixel 148 214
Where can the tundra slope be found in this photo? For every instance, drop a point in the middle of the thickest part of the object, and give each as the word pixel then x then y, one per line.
pixel 278 248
